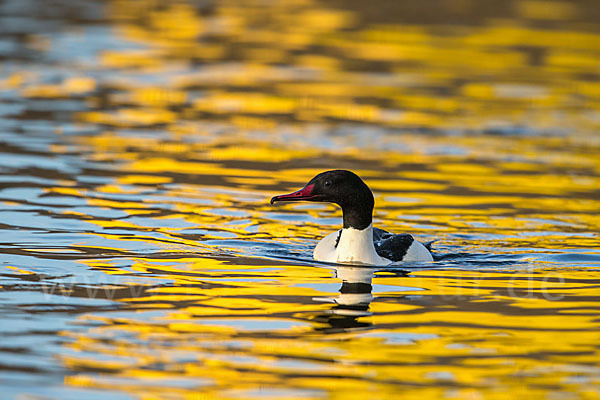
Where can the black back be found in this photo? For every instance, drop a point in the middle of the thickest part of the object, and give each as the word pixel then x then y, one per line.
pixel 390 246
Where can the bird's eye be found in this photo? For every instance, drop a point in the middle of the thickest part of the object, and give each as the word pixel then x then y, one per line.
pixel 327 183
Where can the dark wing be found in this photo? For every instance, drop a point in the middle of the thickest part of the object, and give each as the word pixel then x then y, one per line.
pixel 379 234
pixel 390 246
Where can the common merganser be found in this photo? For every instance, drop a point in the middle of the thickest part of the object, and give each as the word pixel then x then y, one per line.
pixel 357 241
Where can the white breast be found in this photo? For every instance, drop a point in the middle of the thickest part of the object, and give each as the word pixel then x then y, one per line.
pixel 354 246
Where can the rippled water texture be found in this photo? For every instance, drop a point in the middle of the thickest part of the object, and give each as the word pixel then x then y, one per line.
pixel 140 142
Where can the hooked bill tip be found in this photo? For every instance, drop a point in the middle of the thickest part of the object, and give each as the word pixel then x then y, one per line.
pixel 303 194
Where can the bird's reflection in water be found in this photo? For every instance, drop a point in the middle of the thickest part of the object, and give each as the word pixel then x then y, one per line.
pixel 353 301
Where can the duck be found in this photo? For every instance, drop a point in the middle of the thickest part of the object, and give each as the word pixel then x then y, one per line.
pixel 357 242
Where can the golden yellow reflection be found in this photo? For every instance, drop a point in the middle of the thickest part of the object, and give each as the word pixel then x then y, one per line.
pixel 430 333
pixel 480 134
pixel 512 71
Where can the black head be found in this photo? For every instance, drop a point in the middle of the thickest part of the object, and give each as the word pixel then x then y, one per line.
pixel 341 187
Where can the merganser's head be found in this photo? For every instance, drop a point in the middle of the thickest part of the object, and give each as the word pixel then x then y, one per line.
pixel 341 187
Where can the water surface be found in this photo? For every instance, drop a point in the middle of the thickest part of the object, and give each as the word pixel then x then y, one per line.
pixel 140 144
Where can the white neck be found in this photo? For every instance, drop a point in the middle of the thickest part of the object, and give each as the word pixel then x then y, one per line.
pixel 354 246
